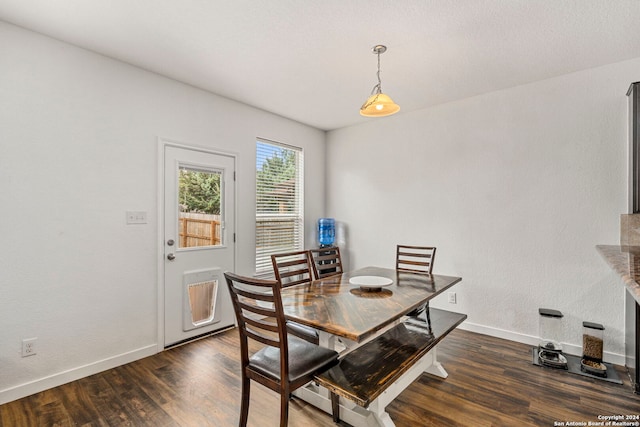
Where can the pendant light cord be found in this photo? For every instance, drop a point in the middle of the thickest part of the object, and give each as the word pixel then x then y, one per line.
pixel 379 85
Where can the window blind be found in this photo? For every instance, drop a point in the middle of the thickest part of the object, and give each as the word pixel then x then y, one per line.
pixel 279 202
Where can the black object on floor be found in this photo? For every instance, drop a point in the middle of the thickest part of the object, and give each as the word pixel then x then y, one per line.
pixel 573 363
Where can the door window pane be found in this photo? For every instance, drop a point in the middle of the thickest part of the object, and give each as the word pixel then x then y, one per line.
pixel 199 207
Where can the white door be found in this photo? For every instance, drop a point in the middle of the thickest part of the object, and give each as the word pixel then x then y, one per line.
pixel 199 235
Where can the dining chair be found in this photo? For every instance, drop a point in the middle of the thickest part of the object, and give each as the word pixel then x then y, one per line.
pixel 294 268
pixel 416 259
pixel 284 362
pixel 326 261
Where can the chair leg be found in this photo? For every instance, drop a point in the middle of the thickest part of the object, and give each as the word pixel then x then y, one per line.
pixel 284 409
pixel 335 407
pixel 244 405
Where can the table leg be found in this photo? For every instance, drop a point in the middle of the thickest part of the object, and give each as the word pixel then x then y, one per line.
pixel 326 340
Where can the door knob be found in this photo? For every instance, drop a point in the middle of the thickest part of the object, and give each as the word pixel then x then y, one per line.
pixel 171 257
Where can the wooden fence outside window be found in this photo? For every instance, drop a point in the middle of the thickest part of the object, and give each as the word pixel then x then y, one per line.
pixel 199 230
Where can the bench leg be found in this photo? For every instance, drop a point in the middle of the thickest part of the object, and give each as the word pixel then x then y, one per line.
pixel 379 413
pixel 385 420
pixel 436 368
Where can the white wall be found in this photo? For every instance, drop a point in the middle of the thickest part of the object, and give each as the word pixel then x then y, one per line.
pixel 515 188
pixel 78 148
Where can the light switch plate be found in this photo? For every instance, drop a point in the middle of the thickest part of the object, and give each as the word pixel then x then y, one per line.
pixel 136 217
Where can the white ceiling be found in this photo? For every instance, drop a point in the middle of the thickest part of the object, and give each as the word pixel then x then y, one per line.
pixel 311 61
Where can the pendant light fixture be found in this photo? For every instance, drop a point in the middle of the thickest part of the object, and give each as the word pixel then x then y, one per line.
pixel 379 104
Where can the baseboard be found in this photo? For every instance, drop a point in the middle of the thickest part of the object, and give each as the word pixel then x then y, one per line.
pixel 576 350
pixel 17 392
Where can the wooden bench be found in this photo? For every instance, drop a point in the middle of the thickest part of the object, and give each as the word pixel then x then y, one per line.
pixel 365 373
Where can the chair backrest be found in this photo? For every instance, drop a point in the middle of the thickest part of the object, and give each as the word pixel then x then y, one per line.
pixel 415 259
pixel 326 262
pixel 292 268
pixel 258 307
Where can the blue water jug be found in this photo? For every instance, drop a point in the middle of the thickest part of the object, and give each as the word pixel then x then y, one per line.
pixel 326 231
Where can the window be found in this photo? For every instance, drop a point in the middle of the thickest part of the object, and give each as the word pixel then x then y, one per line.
pixel 279 202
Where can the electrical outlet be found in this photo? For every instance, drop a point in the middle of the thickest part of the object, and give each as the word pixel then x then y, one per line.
pixel 452 297
pixel 29 347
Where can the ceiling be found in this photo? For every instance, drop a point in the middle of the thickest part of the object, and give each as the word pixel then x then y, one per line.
pixel 311 61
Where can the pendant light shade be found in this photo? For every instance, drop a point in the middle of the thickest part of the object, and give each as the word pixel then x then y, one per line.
pixel 379 104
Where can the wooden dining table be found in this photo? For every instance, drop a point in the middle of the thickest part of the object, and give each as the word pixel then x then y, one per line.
pixel 352 309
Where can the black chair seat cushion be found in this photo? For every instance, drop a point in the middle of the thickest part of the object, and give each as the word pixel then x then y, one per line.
pixel 305 359
pixel 302 331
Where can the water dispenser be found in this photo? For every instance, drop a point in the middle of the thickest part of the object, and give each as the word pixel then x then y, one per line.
pixel 326 232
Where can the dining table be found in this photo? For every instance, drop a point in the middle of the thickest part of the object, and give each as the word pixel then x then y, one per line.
pixel 351 309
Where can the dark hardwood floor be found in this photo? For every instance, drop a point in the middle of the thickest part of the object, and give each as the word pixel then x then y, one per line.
pixel 491 382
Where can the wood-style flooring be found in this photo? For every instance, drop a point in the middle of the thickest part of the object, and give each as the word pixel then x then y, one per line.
pixel 491 382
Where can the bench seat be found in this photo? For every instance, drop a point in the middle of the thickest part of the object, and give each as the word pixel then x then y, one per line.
pixel 366 372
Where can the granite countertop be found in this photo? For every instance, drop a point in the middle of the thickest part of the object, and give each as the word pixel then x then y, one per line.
pixel 624 260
